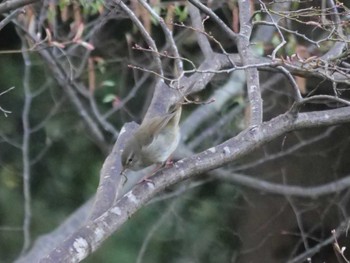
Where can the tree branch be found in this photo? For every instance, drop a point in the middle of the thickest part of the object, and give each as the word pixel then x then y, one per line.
pixel 110 180
pixel 14 4
pixel 69 86
pixel 232 35
pixel 90 236
pixel 246 54
pixel 281 189
pixel 197 23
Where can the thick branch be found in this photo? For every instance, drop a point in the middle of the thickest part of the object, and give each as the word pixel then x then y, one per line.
pixel 197 23
pixel 45 243
pixel 246 54
pixel 89 237
pixel 110 180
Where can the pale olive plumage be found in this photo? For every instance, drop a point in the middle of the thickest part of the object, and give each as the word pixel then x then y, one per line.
pixel 153 142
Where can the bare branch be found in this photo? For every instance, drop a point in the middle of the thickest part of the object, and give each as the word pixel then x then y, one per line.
pixel 89 237
pixel 333 187
pixel 285 152
pixel 62 76
pixel 246 54
pixel 296 89
pixel 153 229
pixel 9 17
pixel 298 217
pixel 45 243
pixel 283 42
pixel 14 4
pixel 10 141
pixel 312 251
pixel 169 37
pixel 232 88
pixel 232 35
pixel 215 127
pixel 324 97
pixel 197 23
pixel 25 148
pixel 145 35
pixel 337 49
pixel 110 176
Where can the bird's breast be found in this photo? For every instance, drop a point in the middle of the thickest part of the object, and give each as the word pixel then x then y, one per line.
pixel 162 146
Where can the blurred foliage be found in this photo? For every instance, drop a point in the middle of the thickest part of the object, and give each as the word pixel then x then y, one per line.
pixel 63 178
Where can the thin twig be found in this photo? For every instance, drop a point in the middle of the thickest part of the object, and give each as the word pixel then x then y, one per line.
pixel 2 109
pixel 149 40
pixel 168 36
pixel 63 78
pixel 297 94
pixel 232 35
pixel 312 251
pixel 25 149
pixel 285 152
pixel 153 230
pixel 9 17
pixel 283 42
pixel 297 213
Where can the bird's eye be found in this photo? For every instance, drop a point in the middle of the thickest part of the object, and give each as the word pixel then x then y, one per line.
pixel 130 160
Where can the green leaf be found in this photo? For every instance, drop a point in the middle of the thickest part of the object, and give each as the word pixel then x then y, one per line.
pixel 182 13
pixel 109 98
pixel 108 83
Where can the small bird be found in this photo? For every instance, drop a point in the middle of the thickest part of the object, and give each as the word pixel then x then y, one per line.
pixel 154 141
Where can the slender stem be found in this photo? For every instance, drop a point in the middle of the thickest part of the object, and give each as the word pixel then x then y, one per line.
pixel 25 150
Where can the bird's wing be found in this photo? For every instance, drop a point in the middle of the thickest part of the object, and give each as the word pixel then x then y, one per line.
pixel 155 124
